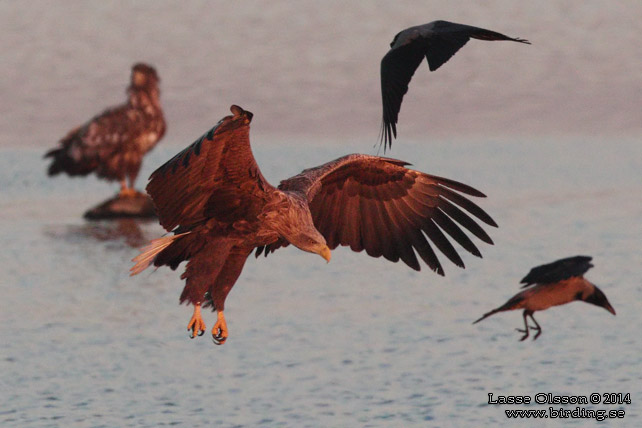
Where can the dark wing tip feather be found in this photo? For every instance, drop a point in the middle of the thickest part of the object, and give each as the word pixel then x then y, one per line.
pixel 558 270
pixel 488 35
pixel 458 186
pixel 469 206
pixel 387 133
pixel 463 202
pixel 448 210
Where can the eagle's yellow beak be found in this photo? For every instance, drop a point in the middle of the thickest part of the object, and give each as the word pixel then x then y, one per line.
pixel 325 253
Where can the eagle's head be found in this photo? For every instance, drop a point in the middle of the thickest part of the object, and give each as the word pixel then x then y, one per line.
pixel 144 76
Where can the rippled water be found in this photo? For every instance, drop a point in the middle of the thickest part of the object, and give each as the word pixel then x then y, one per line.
pixel 358 341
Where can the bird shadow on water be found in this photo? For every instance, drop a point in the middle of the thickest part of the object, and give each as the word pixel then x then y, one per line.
pixel 118 233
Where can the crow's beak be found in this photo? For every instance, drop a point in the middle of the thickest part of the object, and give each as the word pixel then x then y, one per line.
pixel 609 308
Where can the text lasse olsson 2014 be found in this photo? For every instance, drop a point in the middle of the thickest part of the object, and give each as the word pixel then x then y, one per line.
pixel 548 398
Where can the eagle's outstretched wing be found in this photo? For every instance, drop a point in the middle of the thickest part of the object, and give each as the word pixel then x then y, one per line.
pixel 375 204
pixel 215 177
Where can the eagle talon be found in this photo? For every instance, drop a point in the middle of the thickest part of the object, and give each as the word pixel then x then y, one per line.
pixel 196 325
pixel 218 339
pixel 218 336
pixel 126 191
pixel 219 331
pixel 193 332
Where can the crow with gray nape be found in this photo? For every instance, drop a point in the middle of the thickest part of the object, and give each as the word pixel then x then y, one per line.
pixel 554 284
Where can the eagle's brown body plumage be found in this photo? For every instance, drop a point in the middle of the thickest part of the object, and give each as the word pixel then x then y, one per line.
pixel 215 200
pixel 113 143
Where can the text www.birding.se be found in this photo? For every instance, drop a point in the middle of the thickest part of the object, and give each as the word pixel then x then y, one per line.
pixel 562 413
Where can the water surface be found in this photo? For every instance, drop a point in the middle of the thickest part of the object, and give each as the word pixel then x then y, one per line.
pixel 358 341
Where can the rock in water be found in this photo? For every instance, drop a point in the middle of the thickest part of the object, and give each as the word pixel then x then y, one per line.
pixel 137 206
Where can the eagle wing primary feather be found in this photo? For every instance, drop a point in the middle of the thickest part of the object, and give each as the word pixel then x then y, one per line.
pixel 215 177
pixel 376 204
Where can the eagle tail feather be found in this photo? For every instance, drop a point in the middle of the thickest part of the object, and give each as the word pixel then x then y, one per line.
pixel 149 253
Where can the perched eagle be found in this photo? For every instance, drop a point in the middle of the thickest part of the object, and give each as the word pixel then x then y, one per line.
pixel 219 208
pixel 113 143
pixel 554 284
pixel 437 41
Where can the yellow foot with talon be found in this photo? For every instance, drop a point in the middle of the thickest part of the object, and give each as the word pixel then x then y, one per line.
pixel 219 331
pixel 196 325
pixel 129 192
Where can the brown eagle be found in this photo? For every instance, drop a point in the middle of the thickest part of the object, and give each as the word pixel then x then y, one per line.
pixel 219 208
pixel 436 41
pixel 553 284
pixel 113 143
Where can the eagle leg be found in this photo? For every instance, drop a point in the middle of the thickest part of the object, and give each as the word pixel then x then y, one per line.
pixel 196 325
pixel 125 190
pixel 219 331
